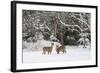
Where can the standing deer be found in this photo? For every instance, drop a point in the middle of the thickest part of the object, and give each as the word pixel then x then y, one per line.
pixel 48 49
pixel 60 49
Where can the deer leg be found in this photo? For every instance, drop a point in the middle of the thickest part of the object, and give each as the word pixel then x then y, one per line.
pixel 44 53
pixel 50 51
pixel 58 52
pixel 63 51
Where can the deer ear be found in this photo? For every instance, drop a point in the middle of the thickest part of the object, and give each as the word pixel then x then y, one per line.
pixel 52 43
pixel 57 46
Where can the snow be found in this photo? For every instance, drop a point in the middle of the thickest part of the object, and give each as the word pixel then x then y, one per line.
pixel 38 45
pixel 84 34
pixel 64 23
pixel 86 41
pixel 82 20
pixel 67 25
pixel 38 36
pixel 52 37
pixel 73 53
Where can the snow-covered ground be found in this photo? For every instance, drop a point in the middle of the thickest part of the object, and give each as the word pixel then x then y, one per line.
pixel 73 53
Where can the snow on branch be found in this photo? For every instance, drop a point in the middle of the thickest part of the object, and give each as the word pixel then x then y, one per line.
pixel 47 27
pixel 67 25
pixel 82 20
pixel 41 26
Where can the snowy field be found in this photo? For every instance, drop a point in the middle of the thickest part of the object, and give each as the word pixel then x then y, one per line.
pixel 73 53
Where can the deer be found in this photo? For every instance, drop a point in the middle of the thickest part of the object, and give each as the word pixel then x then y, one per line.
pixel 60 49
pixel 48 49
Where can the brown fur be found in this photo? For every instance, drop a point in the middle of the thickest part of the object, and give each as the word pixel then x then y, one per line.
pixel 60 49
pixel 47 49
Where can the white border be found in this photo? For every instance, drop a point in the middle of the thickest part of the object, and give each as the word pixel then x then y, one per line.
pixel 21 66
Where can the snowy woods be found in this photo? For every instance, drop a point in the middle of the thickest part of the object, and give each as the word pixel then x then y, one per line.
pixel 68 28
pixel 45 34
